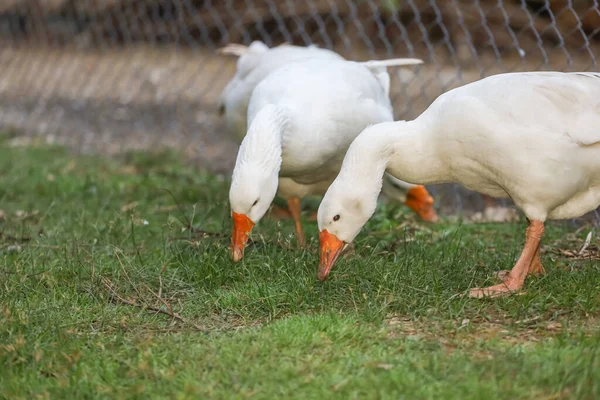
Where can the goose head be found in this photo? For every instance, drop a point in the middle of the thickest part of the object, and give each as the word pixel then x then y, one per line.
pixel 401 148
pixel 253 188
pixel 343 212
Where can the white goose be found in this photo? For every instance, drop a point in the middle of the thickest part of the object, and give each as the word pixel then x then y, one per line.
pixel 255 63
pixel 302 118
pixel 533 137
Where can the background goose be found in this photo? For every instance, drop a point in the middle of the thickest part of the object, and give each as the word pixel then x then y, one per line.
pixel 302 118
pixel 533 137
pixel 255 62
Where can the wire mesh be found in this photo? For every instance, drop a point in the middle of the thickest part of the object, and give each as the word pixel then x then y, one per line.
pixel 112 75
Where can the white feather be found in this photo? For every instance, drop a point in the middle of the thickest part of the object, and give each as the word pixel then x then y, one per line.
pixel 392 62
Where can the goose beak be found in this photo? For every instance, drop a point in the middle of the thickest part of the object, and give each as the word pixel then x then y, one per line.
pixel 242 226
pixel 421 202
pixel 331 247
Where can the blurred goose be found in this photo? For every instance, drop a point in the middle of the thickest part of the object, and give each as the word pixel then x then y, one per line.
pixel 533 137
pixel 301 120
pixel 254 64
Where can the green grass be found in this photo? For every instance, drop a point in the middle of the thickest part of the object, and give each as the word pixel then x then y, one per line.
pixel 82 237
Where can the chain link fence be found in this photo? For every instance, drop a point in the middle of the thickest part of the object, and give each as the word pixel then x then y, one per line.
pixel 115 75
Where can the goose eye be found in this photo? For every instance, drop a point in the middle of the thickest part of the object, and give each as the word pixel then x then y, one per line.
pixel 336 218
pixel 255 203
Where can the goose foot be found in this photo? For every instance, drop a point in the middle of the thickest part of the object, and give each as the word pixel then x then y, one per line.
pixel 528 263
pixel 501 275
pixel 536 268
pixel 508 287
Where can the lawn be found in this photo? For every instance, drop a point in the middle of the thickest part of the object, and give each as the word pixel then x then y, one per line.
pixel 115 282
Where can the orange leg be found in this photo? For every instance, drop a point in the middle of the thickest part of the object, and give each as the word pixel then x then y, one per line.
pixel 294 207
pixel 527 263
pixel 536 268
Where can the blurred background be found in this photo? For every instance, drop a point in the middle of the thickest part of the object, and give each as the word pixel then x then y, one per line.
pixel 109 76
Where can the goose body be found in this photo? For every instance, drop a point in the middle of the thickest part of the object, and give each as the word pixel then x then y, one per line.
pixel 324 106
pixel 533 137
pixel 301 120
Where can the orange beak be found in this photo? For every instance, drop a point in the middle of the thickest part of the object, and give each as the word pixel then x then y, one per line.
pixel 419 200
pixel 331 247
pixel 242 226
